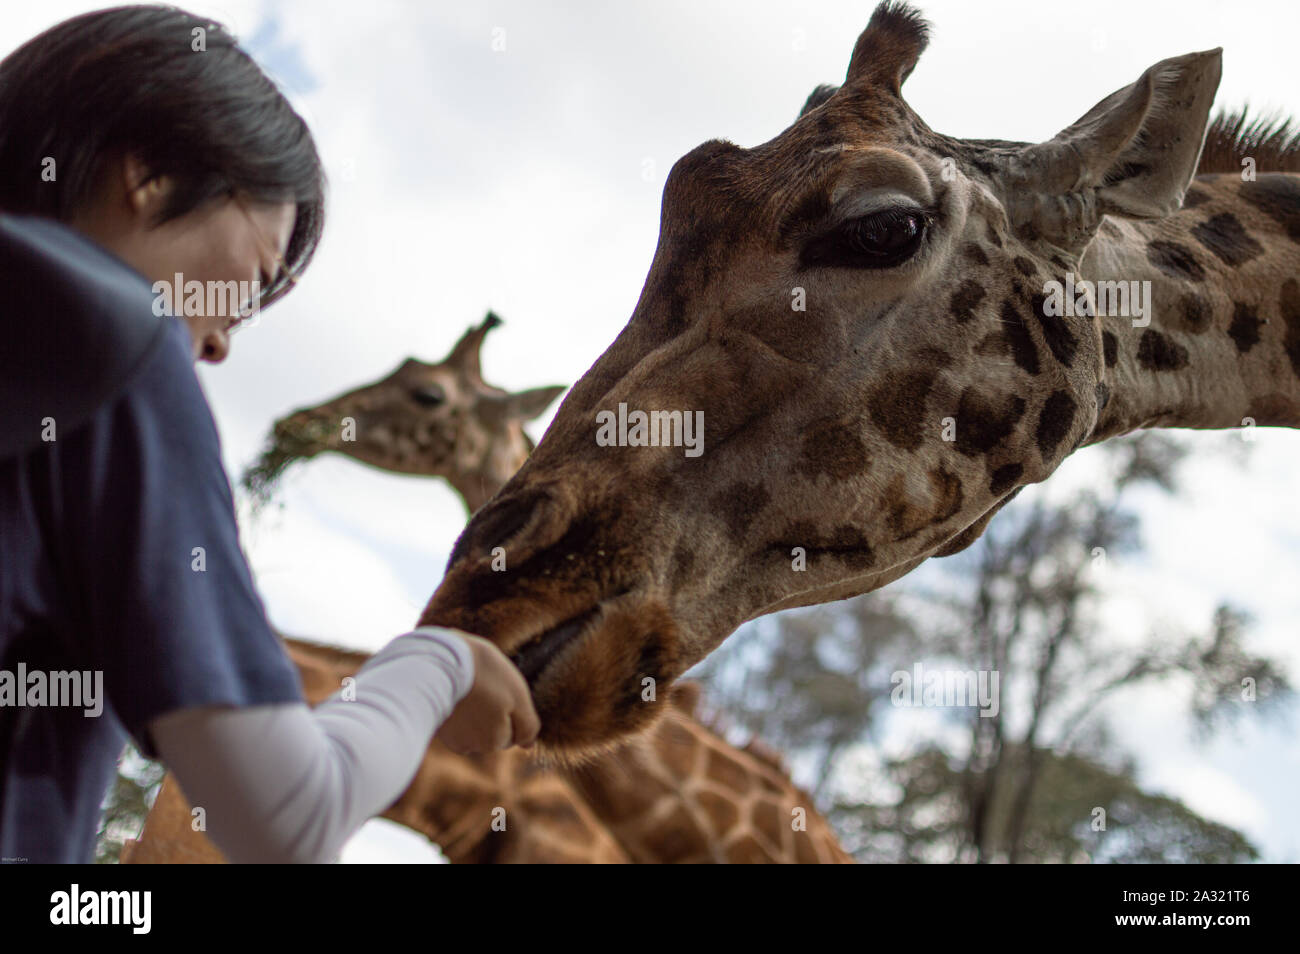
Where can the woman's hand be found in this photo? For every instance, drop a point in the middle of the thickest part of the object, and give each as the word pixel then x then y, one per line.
pixel 498 710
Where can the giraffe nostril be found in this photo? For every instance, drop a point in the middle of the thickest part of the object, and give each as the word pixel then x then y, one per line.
pixel 497 525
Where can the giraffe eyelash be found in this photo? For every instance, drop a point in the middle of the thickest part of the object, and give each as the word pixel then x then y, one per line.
pixel 881 239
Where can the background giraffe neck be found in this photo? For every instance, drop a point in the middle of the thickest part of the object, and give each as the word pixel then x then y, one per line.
pixel 476 486
pixel 474 490
pixel 682 794
pixel 1223 343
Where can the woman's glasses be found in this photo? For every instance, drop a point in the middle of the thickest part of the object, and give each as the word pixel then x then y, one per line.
pixel 239 320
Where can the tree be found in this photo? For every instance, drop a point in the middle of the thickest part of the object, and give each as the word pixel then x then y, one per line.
pixel 1022 604
pixel 127 803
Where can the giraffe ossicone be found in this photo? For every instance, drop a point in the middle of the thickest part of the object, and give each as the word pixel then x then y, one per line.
pixel 924 262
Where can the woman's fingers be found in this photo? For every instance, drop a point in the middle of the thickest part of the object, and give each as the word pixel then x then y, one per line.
pixel 526 726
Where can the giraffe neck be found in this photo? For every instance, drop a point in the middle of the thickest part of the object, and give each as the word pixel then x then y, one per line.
pixel 1222 348
pixel 693 798
pixel 473 489
pixel 478 481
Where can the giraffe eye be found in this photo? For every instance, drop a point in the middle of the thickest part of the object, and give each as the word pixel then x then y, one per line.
pixel 879 240
pixel 430 395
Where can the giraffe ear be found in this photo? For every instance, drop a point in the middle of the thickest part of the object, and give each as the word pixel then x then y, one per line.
pixel 888 48
pixel 523 405
pixel 1131 155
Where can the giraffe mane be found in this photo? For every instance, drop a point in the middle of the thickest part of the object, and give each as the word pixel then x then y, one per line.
pixel 1273 142
pixel 818 96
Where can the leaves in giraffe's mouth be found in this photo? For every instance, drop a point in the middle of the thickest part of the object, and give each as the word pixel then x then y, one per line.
pixel 288 443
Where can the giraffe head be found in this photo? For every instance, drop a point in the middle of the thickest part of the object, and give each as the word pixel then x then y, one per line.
pixel 433 420
pixel 851 318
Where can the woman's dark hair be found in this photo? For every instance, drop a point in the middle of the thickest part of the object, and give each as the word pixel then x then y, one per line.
pixel 129 80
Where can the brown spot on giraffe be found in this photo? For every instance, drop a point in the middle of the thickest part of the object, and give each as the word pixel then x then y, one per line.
pixel 1018 338
pixel 966 299
pixel 722 811
pixel 983 422
pixel 1196 313
pixel 1159 352
pixel 1244 330
pixel 1054 422
pixel 1110 346
pixel 683 563
pixel 1004 478
pixel 1224 235
pixel 1024 266
pixel 1175 260
pixel 740 504
pixel 834 448
pixel 1278 197
pixel 897 407
pixel 725 770
pixel 1060 339
pixel 907 518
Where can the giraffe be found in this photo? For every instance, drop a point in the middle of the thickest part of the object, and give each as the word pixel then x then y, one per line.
pixel 430 420
pixel 864 321
pixel 682 794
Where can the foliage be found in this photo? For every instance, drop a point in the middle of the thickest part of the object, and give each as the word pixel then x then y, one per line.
pixel 127 803
pixel 1024 603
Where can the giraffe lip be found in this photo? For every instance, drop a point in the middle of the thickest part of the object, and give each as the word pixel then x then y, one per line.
pixel 534 656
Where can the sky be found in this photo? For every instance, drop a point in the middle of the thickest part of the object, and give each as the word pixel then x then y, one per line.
pixel 512 156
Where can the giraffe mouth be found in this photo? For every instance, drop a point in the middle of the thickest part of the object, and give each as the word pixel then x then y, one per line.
pixel 534 656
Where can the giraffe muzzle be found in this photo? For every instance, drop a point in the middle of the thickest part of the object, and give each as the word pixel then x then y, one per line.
pixel 533 657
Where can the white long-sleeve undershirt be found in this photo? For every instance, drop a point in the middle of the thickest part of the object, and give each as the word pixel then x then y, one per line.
pixel 285 783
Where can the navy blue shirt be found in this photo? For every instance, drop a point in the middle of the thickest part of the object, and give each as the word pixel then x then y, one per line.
pixel 119 553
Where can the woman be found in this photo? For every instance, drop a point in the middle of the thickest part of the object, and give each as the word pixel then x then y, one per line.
pixel 137 144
